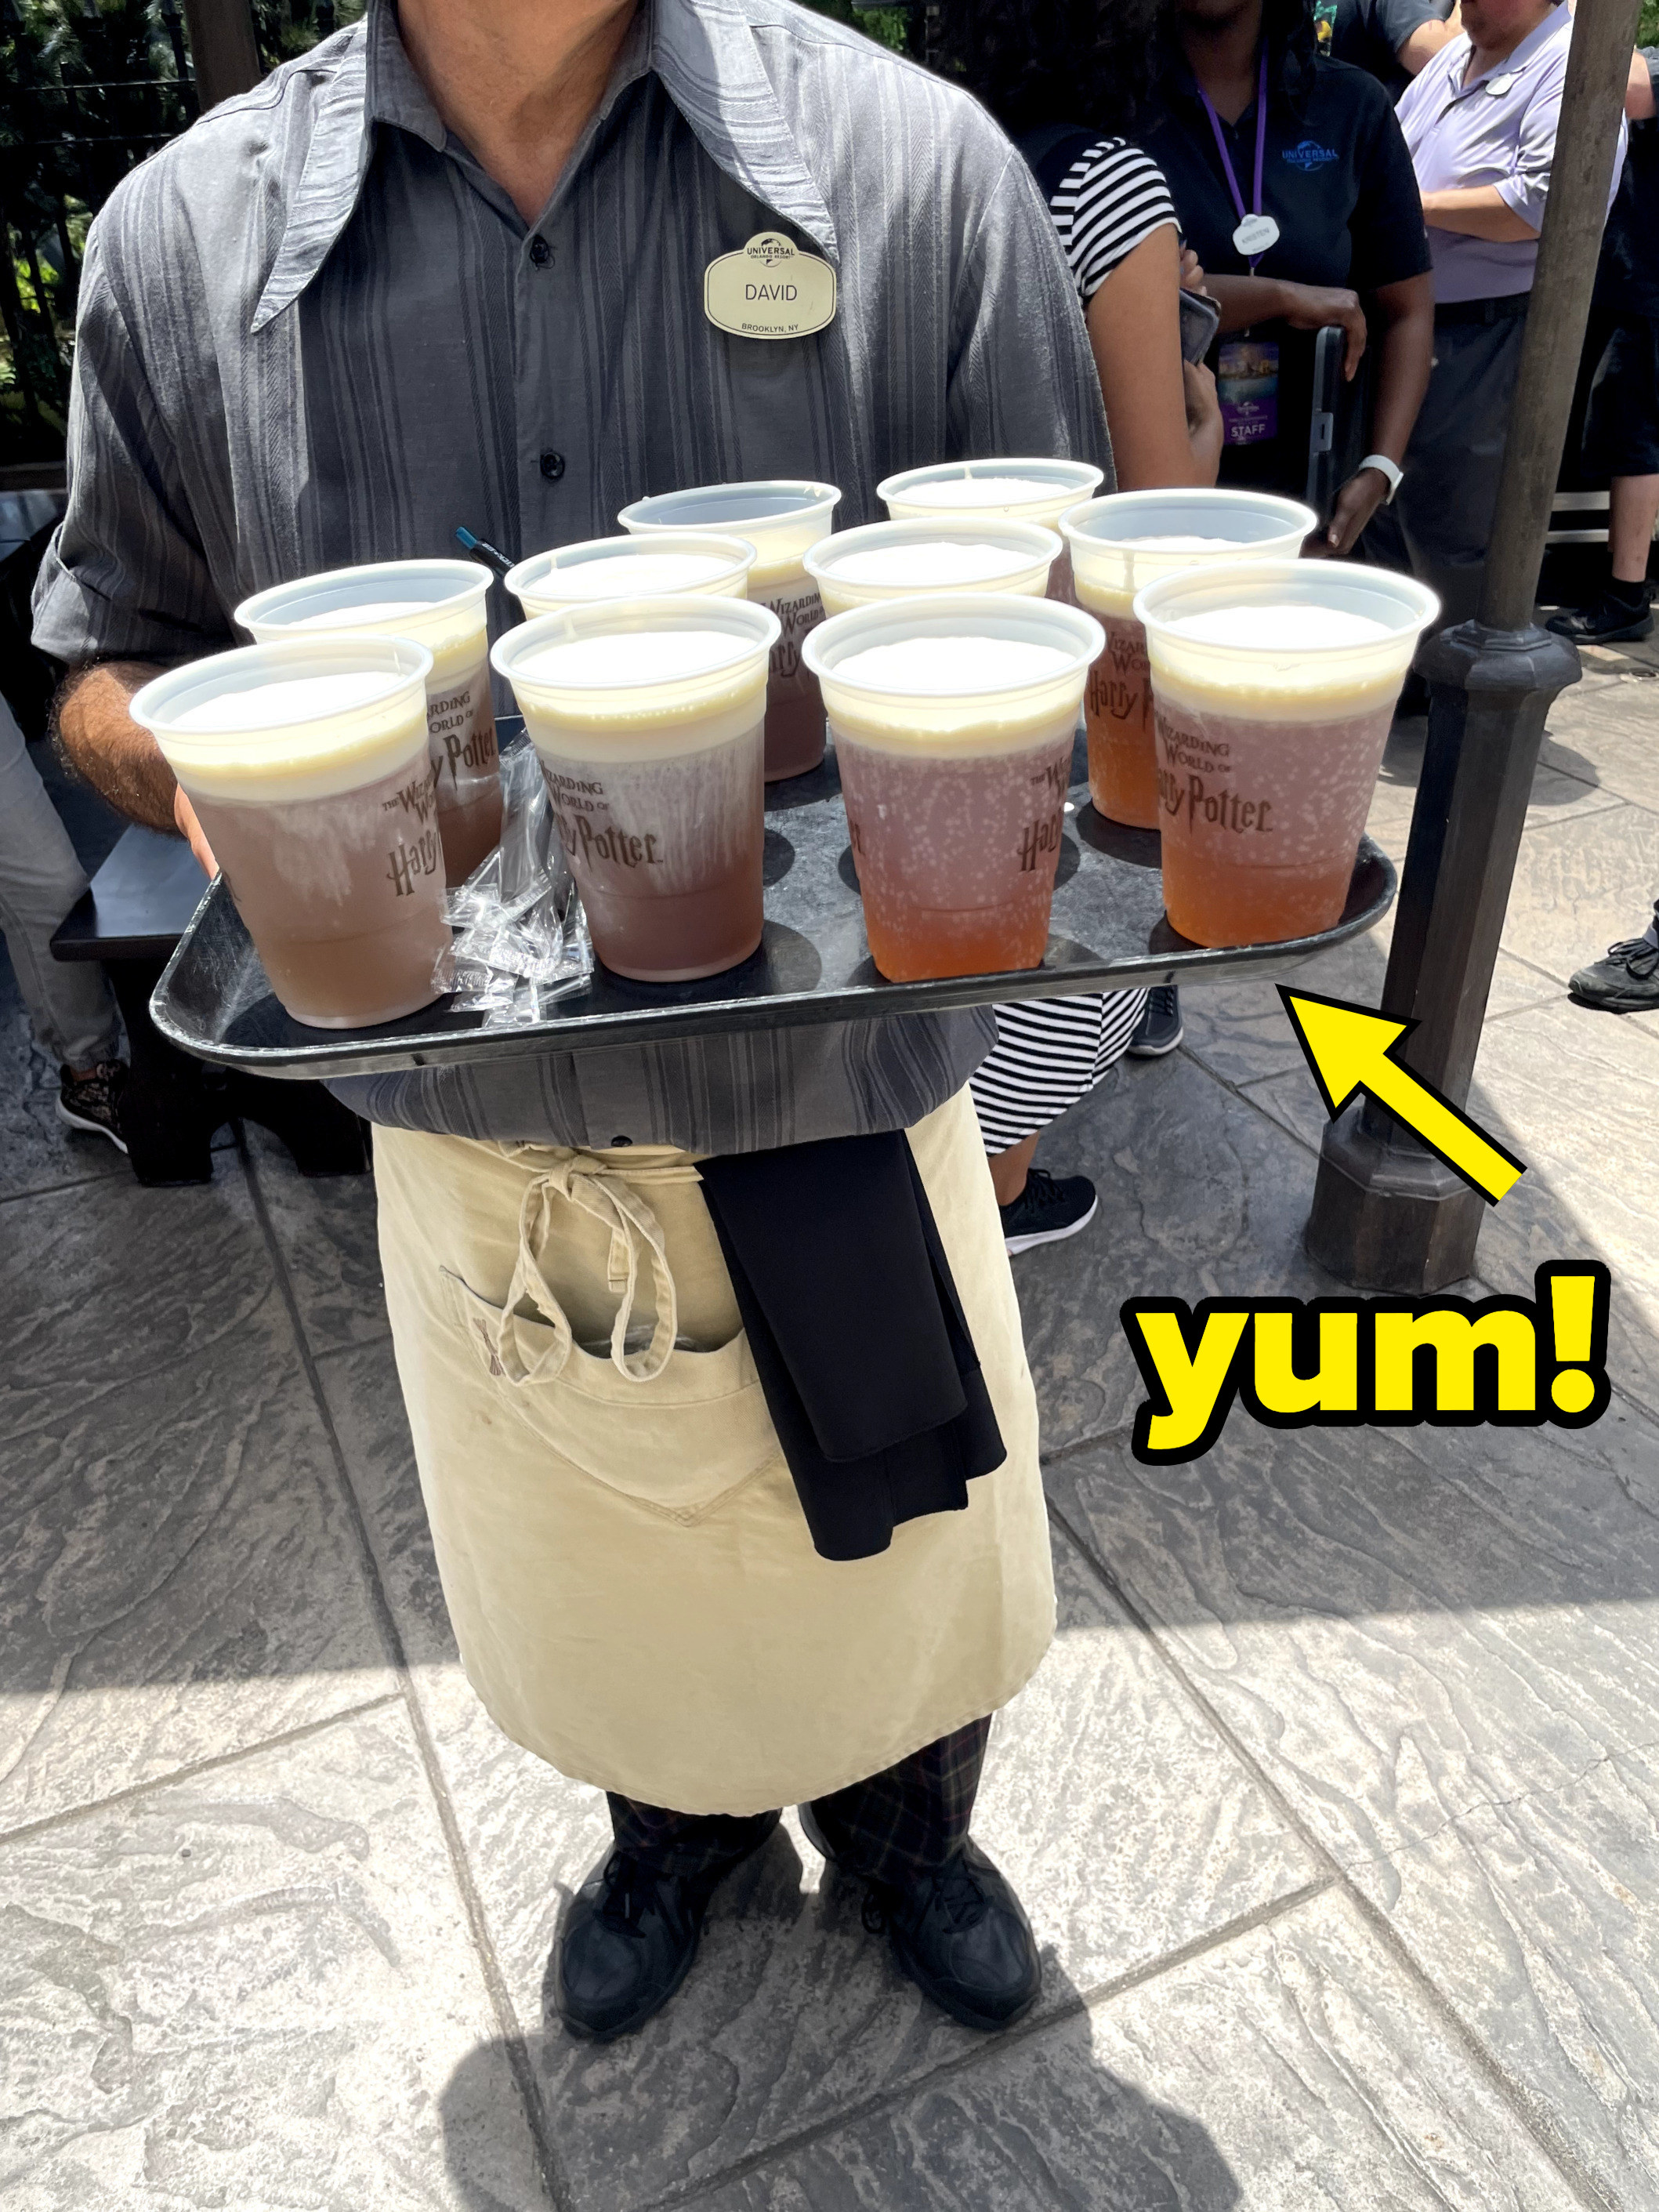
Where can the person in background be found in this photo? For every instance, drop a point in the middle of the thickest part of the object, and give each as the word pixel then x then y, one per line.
pixel 1065 82
pixel 1294 189
pixel 1391 39
pixel 70 1006
pixel 1480 120
pixel 1621 422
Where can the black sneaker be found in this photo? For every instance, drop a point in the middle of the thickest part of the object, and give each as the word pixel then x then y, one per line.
pixel 1160 1028
pixel 959 1933
pixel 629 1941
pixel 1626 982
pixel 92 1102
pixel 1608 621
pixel 1047 1212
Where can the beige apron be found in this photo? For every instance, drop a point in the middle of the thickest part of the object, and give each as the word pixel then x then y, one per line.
pixel 628 1572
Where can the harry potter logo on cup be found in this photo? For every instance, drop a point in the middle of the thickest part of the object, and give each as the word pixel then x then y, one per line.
pixel 1188 784
pixel 461 724
pixel 1042 835
pixel 799 611
pixel 410 859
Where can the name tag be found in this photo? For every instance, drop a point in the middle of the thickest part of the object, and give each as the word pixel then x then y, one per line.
pixel 771 289
pixel 1247 386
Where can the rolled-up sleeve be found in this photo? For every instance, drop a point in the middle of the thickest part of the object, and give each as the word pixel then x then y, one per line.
pixel 126 576
pixel 1526 190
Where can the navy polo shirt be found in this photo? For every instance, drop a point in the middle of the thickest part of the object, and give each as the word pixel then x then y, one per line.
pixel 1336 179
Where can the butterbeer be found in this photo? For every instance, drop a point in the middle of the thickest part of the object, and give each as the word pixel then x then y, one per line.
pixel 1038 491
pixel 439 604
pixel 953 718
pixel 698 563
pixel 308 767
pixel 892 560
pixel 1121 542
pixel 648 718
pixel 782 520
pixel 1273 687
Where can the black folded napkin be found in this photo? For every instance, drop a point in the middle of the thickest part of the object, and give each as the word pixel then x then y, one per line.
pixel 862 1348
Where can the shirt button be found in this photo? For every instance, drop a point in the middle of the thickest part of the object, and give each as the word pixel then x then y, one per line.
pixel 552 465
pixel 614 1141
pixel 540 251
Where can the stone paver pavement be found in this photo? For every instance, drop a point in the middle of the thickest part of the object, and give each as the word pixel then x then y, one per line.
pixel 1336 1805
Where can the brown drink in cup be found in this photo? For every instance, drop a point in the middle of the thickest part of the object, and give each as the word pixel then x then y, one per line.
pixel 307 766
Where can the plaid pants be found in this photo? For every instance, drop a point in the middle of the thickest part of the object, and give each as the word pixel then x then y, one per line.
pixel 899 1823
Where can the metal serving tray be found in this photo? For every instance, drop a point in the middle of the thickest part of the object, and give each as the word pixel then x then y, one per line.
pixel 813 965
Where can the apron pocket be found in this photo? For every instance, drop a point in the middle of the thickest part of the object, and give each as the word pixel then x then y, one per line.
pixel 679 1444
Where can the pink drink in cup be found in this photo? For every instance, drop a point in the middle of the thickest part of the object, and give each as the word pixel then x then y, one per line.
pixel 782 519
pixel 649 718
pixel 439 604
pixel 1038 491
pixel 1274 686
pixel 307 765
pixel 954 718
pixel 1132 538
pixel 897 560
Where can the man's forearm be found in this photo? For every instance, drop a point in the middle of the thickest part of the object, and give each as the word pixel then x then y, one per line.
pixel 1477 211
pixel 120 760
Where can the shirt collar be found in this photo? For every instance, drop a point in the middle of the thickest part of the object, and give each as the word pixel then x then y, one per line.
pixel 704 52
pixel 1455 58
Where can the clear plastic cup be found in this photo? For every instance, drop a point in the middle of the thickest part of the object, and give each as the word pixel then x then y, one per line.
pixel 1273 686
pixel 307 765
pixel 1023 491
pixel 648 717
pixel 696 564
pixel 439 604
pixel 895 559
pixel 783 521
pixel 954 718
pixel 1115 549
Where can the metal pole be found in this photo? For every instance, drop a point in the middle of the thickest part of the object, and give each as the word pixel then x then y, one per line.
pixel 1386 1214
pixel 223 49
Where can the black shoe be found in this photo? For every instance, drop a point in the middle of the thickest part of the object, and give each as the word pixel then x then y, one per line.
pixel 1160 1028
pixel 628 1943
pixel 92 1102
pixel 960 1933
pixel 1626 982
pixel 1047 1212
pixel 1609 620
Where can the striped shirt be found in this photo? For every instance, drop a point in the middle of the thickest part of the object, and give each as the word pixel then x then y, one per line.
pixel 313 332
pixel 1111 198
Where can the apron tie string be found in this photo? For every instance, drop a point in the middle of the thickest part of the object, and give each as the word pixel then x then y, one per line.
pixel 635 1235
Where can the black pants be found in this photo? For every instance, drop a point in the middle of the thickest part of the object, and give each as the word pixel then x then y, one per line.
pixel 902 1822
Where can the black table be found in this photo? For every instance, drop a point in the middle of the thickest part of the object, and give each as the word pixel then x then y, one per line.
pixel 139 906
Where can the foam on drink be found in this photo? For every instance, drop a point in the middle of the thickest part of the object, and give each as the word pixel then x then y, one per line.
pixel 986 494
pixel 651 740
pixel 311 780
pixel 1271 707
pixel 439 604
pixel 937 564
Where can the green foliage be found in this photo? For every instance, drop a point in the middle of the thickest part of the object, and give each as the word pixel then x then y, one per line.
pixel 1648 34
pixel 890 26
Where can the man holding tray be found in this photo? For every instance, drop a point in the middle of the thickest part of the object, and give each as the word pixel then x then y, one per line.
pixel 450 268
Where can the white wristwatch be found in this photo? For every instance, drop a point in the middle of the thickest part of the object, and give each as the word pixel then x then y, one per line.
pixel 1384 467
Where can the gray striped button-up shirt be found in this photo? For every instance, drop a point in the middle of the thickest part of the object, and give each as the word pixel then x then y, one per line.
pixel 313 332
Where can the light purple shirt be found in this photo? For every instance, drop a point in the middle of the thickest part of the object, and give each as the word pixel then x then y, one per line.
pixel 1498 129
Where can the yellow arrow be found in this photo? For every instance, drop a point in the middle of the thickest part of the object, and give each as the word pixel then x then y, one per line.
pixel 1350 1048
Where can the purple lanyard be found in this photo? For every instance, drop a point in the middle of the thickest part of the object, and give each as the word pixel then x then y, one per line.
pixel 1260 145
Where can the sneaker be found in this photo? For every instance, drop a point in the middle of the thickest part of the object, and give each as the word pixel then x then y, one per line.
pixel 1626 982
pixel 1160 1028
pixel 1608 621
pixel 92 1102
pixel 958 1932
pixel 1047 1212
pixel 629 1941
